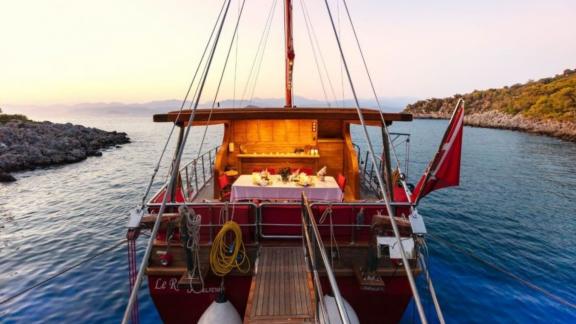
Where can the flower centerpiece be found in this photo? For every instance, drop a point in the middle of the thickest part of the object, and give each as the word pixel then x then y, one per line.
pixel 285 174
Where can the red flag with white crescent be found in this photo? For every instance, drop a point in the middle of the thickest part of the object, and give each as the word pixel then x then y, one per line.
pixel 444 170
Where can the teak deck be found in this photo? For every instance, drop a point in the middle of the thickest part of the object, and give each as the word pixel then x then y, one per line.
pixel 281 290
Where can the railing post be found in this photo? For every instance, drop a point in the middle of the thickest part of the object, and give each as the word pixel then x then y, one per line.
pixel 407 156
pixel 196 174
pixel 188 187
pixel 365 164
pixel 203 171
pixel 211 164
pixel 370 175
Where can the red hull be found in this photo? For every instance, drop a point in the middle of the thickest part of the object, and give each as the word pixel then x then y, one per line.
pixel 183 306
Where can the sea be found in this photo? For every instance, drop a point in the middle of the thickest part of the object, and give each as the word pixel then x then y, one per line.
pixel 515 209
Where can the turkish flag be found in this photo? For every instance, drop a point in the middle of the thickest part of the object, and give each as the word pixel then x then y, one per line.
pixel 444 170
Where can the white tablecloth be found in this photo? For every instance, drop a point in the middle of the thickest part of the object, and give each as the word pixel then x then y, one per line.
pixel 244 188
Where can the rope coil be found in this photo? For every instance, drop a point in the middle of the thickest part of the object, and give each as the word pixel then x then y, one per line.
pixel 224 256
pixel 334 248
pixel 190 226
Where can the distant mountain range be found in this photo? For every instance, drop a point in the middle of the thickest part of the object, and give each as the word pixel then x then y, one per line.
pixel 391 104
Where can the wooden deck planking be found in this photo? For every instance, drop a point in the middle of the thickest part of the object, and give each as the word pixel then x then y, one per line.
pixel 206 193
pixel 280 292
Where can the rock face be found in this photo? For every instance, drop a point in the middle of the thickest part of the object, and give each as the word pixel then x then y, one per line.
pixel 546 106
pixel 495 119
pixel 26 145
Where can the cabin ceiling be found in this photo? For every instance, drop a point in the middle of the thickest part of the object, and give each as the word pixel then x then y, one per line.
pixel 222 115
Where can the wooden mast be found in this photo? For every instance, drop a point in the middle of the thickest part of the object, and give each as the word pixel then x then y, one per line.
pixel 289 51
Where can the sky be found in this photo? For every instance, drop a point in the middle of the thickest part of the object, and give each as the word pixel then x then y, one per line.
pixel 70 51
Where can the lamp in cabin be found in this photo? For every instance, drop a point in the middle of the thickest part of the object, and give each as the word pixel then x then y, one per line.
pixel 231 147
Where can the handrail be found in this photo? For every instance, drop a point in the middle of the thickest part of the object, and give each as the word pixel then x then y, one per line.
pixel 310 228
pixel 367 169
pixel 188 176
pixel 191 169
pixel 364 203
pixel 214 149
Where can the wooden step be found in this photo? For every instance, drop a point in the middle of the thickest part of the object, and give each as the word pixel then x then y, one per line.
pixel 281 290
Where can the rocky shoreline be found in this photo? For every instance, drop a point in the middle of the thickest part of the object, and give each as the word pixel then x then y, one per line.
pixel 495 119
pixel 27 145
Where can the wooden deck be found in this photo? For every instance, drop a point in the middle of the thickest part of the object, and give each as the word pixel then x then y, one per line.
pixel 206 193
pixel 281 290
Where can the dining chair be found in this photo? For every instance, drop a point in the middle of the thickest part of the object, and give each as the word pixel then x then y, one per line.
pixel 224 184
pixel 341 181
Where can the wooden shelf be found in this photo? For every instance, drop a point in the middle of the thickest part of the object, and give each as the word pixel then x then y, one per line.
pixel 279 156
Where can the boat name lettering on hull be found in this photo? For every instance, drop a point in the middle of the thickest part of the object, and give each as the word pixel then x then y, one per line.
pixel 172 285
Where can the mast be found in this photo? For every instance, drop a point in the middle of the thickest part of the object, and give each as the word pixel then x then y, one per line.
pixel 289 51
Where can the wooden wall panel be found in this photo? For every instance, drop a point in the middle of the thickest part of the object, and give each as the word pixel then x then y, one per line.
pixel 279 132
pixel 331 155
pixel 329 129
pixel 294 133
pixel 239 131
pixel 265 130
pixel 252 133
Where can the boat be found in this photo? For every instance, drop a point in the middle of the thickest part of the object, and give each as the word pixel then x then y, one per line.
pixel 288 219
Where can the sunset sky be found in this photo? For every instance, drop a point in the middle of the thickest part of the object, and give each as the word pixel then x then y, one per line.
pixel 65 52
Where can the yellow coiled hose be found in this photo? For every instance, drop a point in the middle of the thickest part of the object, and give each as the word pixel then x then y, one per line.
pixel 221 260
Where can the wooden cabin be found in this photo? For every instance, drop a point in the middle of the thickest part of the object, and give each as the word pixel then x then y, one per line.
pixel 259 138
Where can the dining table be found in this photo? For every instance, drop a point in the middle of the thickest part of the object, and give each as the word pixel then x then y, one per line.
pixel 249 187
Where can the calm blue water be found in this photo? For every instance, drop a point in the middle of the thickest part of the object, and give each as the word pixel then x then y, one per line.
pixel 516 208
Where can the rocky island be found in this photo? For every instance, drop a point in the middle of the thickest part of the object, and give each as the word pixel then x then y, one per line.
pixel 546 106
pixel 26 144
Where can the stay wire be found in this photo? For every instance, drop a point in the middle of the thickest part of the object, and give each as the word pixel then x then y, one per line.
pixel 306 21
pixel 341 62
pixel 171 183
pixel 409 274
pixel 236 59
pixel 268 18
pixel 371 82
pixel 221 78
pixel 257 75
pixel 157 167
pixel 322 60
pixel 59 273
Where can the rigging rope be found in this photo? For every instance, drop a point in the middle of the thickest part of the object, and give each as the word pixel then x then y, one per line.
pixel 58 274
pixel 157 167
pixel 333 242
pixel 307 17
pixel 257 75
pixel 172 181
pixel 307 22
pixel 190 226
pixel 341 62
pixel 506 272
pixel 260 43
pixel 379 176
pixel 220 81
pixel 393 149
pixel 236 59
pixel 371 82
pixel 132 235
